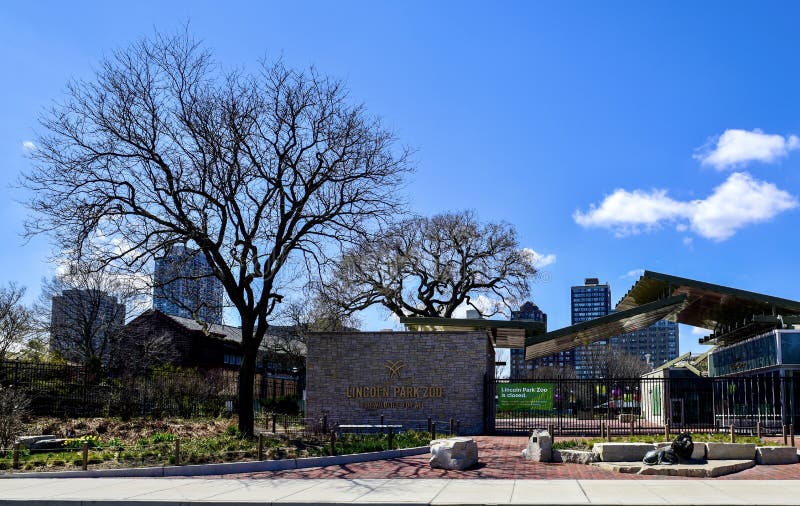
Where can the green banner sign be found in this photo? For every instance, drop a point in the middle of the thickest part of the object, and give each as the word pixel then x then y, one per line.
pixel 524 396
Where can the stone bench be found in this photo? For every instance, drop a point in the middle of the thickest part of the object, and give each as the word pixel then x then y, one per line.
pixel 368 428
pixel 622 452
pixel 776 455
pixel 730 451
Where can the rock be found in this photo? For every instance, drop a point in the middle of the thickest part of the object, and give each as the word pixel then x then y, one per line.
pixel 709 469
pixel 454 453
pixel 621 452
pixel 730 451
pixel 48 444
pixel 775 455
pixel 29 441
pixel 540 447
pixel 574 456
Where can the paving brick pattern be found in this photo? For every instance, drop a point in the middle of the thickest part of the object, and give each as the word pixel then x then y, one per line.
pixel 499 458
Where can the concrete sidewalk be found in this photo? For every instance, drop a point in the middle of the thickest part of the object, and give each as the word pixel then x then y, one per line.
pixel 168 492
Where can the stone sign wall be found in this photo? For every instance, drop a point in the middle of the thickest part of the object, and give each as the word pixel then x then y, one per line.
pixel 356 377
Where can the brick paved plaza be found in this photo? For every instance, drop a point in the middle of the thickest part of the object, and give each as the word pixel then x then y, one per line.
pixel 499 459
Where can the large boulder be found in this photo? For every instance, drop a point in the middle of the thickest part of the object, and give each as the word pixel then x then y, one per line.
pixel 454 453
pixel 574 456
pixel 774 455
pixel 730 451
pixel 621 452
pixel 540 447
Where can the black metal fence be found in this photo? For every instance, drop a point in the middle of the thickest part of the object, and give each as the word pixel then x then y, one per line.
pixel 70 390
pixel 766 405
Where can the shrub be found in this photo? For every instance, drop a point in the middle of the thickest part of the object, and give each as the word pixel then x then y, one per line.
pixel 162 437
pixel 288 405
pixel 14 406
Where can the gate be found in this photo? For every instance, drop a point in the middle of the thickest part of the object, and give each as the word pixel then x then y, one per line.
pixel 766 404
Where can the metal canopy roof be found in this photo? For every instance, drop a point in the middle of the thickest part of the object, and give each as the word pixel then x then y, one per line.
pixel 629 320
pixel 710 306
pixel 505 334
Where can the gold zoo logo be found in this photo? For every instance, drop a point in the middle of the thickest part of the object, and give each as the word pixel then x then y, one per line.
pixel 394 367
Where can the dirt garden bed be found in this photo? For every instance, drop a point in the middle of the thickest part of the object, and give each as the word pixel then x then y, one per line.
pixel 114 443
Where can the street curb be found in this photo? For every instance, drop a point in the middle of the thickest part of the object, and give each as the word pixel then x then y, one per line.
pixel 227 467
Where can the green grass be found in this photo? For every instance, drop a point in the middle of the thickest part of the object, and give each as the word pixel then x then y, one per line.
pixel 588 444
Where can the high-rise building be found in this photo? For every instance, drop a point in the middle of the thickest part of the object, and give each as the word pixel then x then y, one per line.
pixel 521 368
pixel 655 345
pixel 84 322
pixel 185 286
pixel 589 301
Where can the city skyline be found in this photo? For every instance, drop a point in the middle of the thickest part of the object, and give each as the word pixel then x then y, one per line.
pixel 668 110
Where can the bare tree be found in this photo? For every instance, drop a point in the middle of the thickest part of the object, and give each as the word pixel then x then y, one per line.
pixel 430 266
pixel 605 362
pixel 83 310
pixel 267 174
pixel 15 318
pixel 138 351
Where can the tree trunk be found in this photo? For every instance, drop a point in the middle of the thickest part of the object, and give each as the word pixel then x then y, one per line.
pixel 247 376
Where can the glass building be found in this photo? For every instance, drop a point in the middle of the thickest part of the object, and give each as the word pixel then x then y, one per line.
pixel 655 345
pixel 521 368
pixel 589 301
pixel 185 286
pixel 83 322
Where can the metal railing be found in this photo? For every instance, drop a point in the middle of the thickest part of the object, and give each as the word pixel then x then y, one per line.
pixel 71 390
pixel 767 405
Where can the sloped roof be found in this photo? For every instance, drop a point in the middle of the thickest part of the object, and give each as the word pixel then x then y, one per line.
pixel 602 328
pixel 710 306
pixel 231 333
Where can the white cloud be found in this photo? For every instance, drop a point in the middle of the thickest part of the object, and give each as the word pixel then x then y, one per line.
pixel 738 147
pixel 629 212
pixel 697 331
pixel 687 241
pixel 28 146
pixel 635 273
pixel 536 259
pixel 741 200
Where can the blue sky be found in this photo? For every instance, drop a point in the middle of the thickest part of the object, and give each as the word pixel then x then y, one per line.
pixel 616 136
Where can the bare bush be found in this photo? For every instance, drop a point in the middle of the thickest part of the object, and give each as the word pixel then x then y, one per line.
pixel 14 406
